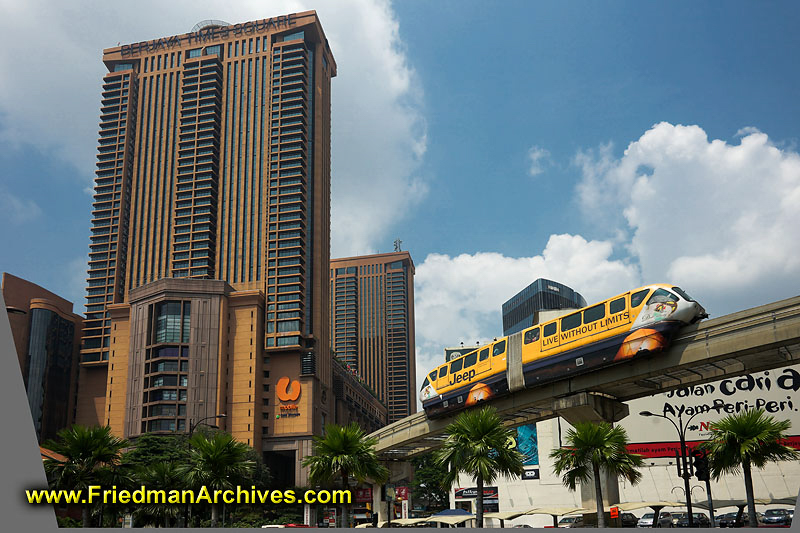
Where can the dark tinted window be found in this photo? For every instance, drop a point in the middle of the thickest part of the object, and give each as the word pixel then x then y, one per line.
pixel 549 329
pixel 637 297
pixel 532 335
pixel 594 313
pixel 484 354
pixel 471 359
pixel 661 296
pixel 570 322
pixel 455 366
pixel 432 375
pixel 425 384
pixel 499 348
pixel 616 306
pixel 443 372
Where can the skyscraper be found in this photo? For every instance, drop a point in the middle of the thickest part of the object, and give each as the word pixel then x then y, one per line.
pixel 213 164
pixel 520 311
pixel 372 325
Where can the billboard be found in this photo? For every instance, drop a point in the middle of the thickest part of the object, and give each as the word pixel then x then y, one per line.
pixel 699 406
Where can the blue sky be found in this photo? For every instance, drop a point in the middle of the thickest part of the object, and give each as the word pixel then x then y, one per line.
pixel 603 144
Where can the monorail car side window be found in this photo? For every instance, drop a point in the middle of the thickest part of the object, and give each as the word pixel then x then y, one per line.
pixel 532 335
pixel 455 366
pixel 443 372
pixel 499 348
pixel 484 354
pixel 570 322
pixel 661 296
pixel 594 313
pixel 549 329
pixel 470 359
pixel 638 297
pixel 616 306
pixel 432 375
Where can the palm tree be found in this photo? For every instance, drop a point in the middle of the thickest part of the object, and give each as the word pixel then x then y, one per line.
pixel 592 448
pixel 477 444
pixel 159 476
pixel 344 452
pixel 219 463
pixel 91 454
pixel 745 440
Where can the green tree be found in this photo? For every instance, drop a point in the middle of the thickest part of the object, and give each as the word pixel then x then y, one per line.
pixel 152 449
pixel 746 440
pixel 477 444
pixel 164 476
pixel 219 462
pixel 427 484
pixel 91 455
pixel 344 452
pixel 592 448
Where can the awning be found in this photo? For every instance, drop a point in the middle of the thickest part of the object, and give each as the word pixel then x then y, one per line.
pixel 451 520
pixel 719 504
pixel 631 506
pixel 409 521
pixel 558 511
pixel 507 515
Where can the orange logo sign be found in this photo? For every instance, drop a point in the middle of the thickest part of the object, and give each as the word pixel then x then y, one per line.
pixel 288 391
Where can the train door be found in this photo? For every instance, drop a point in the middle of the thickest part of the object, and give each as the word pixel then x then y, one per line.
pixel 550 336
pixel 619 314
pixel 484 362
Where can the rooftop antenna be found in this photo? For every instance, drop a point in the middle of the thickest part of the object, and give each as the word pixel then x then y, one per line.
pixel 397 243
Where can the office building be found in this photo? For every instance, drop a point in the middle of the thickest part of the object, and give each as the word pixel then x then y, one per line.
pixel 523 309
pixel 47 338
pixel 372 325
pixel 210 237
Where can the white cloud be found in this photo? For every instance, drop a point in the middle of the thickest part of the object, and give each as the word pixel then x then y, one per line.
pixel 50 92
pixel 459 298
pixel 721 220
pixel 539 158
pixel 17 210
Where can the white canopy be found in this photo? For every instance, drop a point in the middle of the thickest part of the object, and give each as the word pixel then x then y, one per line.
pixel 558 511
pixel 451 520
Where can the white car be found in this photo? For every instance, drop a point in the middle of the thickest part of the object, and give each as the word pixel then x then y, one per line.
pixel 664 520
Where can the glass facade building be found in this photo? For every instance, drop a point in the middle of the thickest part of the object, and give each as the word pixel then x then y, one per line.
pixel 541 295
pixel 372 325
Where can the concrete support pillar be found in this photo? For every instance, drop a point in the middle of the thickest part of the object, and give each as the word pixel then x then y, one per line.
pixel 398 471
pixel 585 407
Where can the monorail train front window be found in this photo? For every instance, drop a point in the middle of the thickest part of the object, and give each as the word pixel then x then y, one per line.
pixel 662 296
pixel 683 294
pixel 424 384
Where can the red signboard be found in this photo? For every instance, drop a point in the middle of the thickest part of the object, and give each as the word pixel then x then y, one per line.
pixel 401 493
pixel 614 512
pixel 363 495
pixel 668 449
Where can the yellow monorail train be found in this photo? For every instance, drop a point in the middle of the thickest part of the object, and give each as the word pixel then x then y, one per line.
pixel 628 325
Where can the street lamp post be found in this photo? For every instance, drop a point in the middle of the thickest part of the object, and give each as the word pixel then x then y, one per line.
pixel 193 426
pixel 685 474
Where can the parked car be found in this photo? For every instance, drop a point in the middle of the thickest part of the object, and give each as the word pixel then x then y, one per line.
pixel 729 520
pixel 571 521
pixel 699 519
pixel 676 517
pixel 628 519
pixel 664 520
pixel 778 517
pixel 724 517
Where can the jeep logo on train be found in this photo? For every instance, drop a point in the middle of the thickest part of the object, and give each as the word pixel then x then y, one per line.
pixel 464 376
